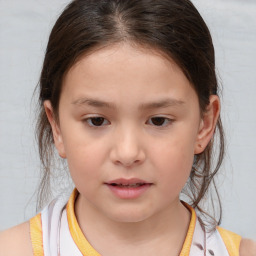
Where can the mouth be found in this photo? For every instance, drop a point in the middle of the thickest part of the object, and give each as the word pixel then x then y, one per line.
pixel 128 183
pixel 128 188
pixel 135 185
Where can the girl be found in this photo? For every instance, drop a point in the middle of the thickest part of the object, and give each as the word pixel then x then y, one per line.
pixel 129 96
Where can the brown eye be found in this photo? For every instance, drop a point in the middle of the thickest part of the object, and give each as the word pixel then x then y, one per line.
pixel 96 121
pixel 159 121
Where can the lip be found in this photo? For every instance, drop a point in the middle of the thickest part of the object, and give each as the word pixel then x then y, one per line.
pixel 121 189
pixel 127 181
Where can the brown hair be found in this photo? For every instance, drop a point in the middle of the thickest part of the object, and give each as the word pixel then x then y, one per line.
pixel 173 27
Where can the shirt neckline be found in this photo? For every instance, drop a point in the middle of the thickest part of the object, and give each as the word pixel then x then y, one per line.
pixel 87 250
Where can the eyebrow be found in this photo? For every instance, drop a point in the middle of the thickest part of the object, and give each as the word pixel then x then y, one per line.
pixel 164 103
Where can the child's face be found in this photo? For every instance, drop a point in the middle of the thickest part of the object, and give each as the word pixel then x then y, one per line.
pixel 146 127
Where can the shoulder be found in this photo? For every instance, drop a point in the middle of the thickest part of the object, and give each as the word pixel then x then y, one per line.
pixel 247 248
pixel 16 241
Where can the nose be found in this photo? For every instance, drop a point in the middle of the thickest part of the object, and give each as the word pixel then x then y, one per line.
pixel 127 149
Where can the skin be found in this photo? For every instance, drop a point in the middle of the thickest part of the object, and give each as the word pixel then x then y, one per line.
pixel 16 241
pixel 128 144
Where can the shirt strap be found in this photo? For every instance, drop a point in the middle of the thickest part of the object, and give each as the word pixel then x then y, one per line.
pixel 231 241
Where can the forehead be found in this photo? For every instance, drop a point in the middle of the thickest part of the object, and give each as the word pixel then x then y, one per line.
pixel 123 71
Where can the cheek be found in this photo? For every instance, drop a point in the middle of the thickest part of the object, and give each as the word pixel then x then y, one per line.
pixel 84 169
pixel 84 159
pixel 174 163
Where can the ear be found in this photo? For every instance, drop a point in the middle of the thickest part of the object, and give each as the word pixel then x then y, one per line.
pixel 58 140
pixel 207 124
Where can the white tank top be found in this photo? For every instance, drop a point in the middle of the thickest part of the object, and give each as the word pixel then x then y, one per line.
pixel 55 232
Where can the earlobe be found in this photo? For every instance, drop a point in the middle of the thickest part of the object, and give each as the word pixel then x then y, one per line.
pixel 207 124
pixel 57 136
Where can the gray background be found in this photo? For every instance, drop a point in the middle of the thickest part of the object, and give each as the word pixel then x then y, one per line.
pixel 24 30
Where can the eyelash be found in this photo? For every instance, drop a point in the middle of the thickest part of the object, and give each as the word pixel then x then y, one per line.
pixel 165 119
pixel 93 118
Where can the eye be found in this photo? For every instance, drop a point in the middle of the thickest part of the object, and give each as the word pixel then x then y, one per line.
pixel 96 121
pixel 160 121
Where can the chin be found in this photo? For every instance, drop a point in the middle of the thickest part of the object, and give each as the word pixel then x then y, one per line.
pixel 129 216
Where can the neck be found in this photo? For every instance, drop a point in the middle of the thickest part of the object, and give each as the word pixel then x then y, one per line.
pixel 165 230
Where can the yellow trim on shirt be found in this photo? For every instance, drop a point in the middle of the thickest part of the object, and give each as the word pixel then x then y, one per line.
pixel 87 250
pixel 231 241
pixel 36 235
pixel 188 240
pixel 83 245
